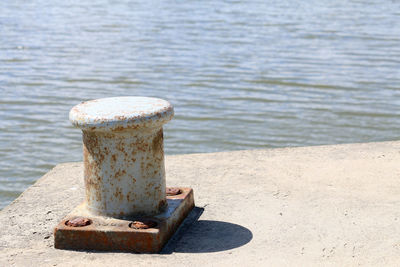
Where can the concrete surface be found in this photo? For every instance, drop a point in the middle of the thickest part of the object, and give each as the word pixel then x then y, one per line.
pixel 330 205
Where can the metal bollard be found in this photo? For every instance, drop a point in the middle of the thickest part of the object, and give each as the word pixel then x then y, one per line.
pixel 127 205
pixel 123 154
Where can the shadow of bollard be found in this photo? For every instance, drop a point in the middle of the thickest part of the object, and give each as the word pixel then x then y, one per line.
pixel 204 236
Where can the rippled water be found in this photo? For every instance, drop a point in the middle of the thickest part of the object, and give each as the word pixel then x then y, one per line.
pixel 241 74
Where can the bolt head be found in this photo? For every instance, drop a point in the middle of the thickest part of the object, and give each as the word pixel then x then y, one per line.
pixel 78 222
pixel 173 191
pixel 146 224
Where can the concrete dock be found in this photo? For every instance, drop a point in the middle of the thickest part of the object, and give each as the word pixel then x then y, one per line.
pixel 333 205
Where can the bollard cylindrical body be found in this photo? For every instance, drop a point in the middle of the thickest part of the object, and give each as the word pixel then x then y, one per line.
pixel 123 154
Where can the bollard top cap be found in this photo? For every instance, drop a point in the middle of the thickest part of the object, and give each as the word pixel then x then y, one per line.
pixel 121 113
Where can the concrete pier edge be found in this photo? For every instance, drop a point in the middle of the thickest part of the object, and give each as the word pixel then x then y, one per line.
pixel 323 205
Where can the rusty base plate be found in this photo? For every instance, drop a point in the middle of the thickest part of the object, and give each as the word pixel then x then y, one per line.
pixel 82 231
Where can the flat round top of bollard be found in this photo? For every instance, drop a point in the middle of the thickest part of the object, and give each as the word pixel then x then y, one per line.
pixel 120 113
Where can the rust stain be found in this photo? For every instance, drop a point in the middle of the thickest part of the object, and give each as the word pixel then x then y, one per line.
pixel 119 174
pixel 157 143
pixel 118 194
pixel 162 205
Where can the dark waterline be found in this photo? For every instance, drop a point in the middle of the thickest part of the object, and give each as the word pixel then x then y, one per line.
pixel 241 74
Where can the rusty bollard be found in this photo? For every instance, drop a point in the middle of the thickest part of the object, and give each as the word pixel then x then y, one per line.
pixel 127 206
pixel 123 154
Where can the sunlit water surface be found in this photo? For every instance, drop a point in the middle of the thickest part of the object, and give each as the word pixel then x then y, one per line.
pixel 241 74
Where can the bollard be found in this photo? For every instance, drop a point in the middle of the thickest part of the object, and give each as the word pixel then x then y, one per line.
pixel 127 206
pixel 123 154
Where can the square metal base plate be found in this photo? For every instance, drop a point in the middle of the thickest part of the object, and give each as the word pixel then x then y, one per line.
pixel 112 234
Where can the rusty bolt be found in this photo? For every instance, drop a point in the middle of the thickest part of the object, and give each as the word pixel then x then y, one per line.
pixel 173 191
pixel 78 222
pixel 143 224
pixel 123 154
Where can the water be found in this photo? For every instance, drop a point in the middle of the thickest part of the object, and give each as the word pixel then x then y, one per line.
pixel 241 74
